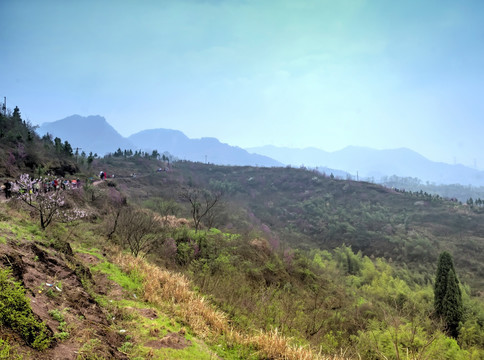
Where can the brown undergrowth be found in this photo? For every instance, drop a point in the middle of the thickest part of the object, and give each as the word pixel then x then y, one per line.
pixel 172 292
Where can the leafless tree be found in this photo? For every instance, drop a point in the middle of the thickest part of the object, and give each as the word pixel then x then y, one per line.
pixel 215 215
pixel 138 230
pixel 202 202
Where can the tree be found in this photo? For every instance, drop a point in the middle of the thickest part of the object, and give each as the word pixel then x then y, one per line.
pixel 90 159
pixel 67 148
pixel 138 230
pixel 447 294
pixel 215 215
pixel 16 114
pixel 49 206
pixel 155 154
pixel 452 305
pixel 58 145
pixel 201 202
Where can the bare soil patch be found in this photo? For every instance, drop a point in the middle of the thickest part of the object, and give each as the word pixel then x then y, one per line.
pixel 53 283
pixel 171 340
pixel 147 313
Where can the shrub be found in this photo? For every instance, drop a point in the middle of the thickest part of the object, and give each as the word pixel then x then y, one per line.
pixel 15 312
pixel 6 351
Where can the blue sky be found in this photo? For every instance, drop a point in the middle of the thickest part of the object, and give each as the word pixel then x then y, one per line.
pixel 297 73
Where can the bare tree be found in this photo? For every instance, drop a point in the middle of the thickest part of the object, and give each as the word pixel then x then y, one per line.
pixel 116 203
pixel 138 230
pixel 215 215
pixel 202 202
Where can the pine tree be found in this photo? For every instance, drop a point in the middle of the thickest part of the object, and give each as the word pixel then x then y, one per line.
pixel 447 294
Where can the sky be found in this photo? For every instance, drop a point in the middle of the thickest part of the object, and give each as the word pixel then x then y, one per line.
pixel 294 73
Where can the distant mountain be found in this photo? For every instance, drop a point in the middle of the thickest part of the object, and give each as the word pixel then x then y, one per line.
pixel 91 133
pixel 204 150
pixel 376 164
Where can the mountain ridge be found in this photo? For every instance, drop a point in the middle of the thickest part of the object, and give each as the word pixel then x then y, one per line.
pixel 373 164
pixel 94 133
pixel 91 133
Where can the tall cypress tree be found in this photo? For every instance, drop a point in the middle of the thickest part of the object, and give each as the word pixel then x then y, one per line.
pixel 452 304
pixel 447 294
pixel 440 287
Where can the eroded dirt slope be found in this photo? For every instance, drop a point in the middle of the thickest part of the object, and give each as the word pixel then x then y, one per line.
pixel 54 283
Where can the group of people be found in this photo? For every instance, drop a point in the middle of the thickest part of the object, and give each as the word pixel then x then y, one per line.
pixel 104 176
pixel 40 185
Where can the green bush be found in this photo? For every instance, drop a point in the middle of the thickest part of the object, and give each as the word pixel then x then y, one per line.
pixel 6 351
pixel 15 312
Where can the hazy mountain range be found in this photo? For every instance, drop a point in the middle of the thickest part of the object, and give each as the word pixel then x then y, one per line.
pixel 91 133
pixel 374 164
pixel 203 150
pixel 94 133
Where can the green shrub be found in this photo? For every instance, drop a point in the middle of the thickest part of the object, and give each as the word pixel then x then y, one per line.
pixel 15 312
pixel 6 351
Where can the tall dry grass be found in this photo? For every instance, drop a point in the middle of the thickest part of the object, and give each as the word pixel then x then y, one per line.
pixel 171 291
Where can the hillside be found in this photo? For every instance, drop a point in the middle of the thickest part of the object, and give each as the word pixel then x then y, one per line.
pixel 375 164
pixel 87 307
pixel 22 150
pixel 97 301
pixel 181 260
pixel 306 210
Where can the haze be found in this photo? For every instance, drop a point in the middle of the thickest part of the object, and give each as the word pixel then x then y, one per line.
pixel 326 74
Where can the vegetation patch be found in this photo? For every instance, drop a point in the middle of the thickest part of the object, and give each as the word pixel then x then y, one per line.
pixel 129 281
pixel 15 312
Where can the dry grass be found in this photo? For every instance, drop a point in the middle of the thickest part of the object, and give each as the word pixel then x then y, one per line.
pixel 172 221
pixel 172 292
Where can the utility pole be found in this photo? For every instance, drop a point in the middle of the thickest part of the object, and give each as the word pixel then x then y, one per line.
pixel 4 106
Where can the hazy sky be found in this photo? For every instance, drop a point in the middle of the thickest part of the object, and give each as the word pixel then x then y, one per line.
pixel 297 73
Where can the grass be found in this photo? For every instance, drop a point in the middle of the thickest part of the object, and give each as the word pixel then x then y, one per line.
pixel 20 228
pixel 130 282
pixel 172 292
pixel 16 313
pixel 140 330
pixel 89 349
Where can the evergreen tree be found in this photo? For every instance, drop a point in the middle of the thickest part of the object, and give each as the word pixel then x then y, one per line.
pixel 444 265
pixel 67 148
pixel 16 114
pixel 452 304
pixel 447 294
pixel 58 145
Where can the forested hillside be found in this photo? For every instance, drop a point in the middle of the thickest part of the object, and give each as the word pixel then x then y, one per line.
pixel 306 210
pixel 21 149
pixel 180 260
